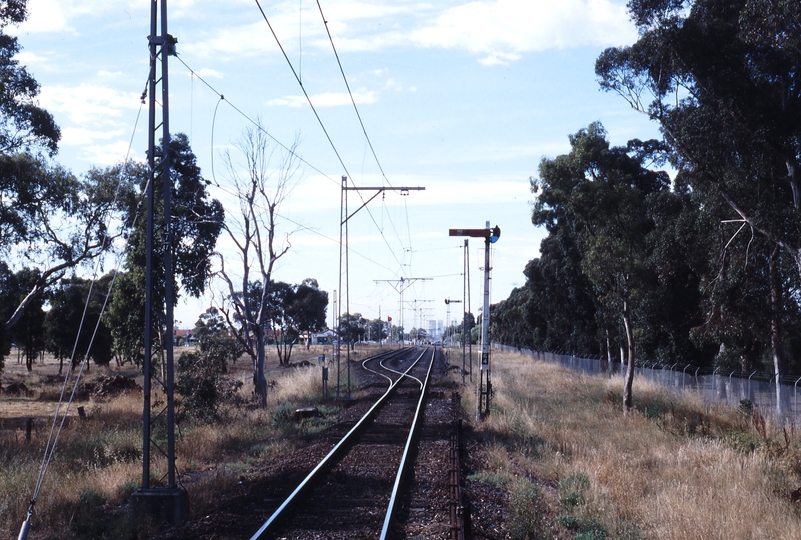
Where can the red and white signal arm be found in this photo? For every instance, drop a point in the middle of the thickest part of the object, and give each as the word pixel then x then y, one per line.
pixel 389 319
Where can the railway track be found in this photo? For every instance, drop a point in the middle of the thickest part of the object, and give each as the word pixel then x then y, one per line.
pixel 351 497
pixel 357 490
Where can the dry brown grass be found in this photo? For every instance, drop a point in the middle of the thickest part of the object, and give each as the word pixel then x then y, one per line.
pixel 675 469
pixel 98 462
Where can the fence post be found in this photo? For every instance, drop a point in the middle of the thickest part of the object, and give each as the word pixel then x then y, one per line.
pixel 795 395
pixel 749 385
pixel 728 394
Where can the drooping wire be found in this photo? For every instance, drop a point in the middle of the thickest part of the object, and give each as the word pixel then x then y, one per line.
pixel 308 98
pixel 334 240
pixel 213 123
pixel 254 122
pixel 356 109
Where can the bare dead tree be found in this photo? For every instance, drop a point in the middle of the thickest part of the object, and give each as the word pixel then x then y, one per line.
pixel 260 184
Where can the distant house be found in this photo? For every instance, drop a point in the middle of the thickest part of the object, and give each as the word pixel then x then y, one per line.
pixel 323 338
pixel 183 338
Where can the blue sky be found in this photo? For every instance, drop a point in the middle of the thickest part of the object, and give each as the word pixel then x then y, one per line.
pixel 463 98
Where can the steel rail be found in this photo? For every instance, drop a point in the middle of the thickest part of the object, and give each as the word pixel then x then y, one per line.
pixel 406 451
pixel 381 363
pixel 382 356
pixel 275 517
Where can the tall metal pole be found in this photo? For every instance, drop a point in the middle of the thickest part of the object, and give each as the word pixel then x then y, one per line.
pixel 344 218
pixel 169 502
pixel 469 310
pixel 151 167
pixel 334 337
pixel 169 318
pixel 342 215
pixel 347 282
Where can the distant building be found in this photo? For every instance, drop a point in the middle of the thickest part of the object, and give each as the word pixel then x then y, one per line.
pixel 183 338
pixel 323 338
pixel 432 330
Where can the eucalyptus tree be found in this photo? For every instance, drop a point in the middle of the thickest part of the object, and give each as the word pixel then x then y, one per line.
pixel 74 325
pixel 602 195
pixel 723 80
pixel 353 327
pixel 24 125
pixel 308 309
pixel 260 183
pixel 7 289
pixel 53 220
pixel 29 331
pixel 197 220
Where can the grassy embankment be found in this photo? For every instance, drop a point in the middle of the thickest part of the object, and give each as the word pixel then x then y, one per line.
pixel 556 443
pixel 97 464
pixel 678 468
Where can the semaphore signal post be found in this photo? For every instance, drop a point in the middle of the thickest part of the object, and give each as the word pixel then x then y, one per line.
pixel 484 387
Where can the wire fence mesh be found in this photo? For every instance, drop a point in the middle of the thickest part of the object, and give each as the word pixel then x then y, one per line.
pixel 733 388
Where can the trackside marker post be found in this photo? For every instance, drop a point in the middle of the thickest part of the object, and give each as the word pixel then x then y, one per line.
pixel 484 387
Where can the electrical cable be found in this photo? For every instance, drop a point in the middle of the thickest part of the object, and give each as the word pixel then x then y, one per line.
pixel 322 126
pixel 213 123
pixel 54 434
pixel 254 122
pixel 352 100
pixel 308 98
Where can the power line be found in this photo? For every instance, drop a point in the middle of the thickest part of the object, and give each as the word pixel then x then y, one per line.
pixel 282 145
pixel 322 126
pixel 251 120
pixel 352 100
pixel 308 98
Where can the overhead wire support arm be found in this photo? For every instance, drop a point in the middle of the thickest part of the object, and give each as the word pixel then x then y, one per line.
pixel 379 191
pixel 401 285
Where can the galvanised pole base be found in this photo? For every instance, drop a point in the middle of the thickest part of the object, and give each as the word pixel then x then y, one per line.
pixel 165 504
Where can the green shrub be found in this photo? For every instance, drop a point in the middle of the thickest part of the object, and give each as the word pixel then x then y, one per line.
pixel 573 489
pixel 527 512
pixel 204 386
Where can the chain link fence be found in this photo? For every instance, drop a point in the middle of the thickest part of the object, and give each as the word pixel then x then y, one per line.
pixel 733 388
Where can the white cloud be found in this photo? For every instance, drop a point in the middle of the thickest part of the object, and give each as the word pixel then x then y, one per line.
pixel 50 16
pixel 208 73
pixel 54 15
pixel 87 105
pixel 105 154
pixel 498 31
pixel 76 136
pixel 326 99
pixel 499 59
pixel 110 74
pixel 501 30
pixel 29 58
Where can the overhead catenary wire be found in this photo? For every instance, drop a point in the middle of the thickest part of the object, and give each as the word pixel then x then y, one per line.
pixel 252 121
pixel 322 126
pixel 311 230
pixel 258 126
pixel 352 100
